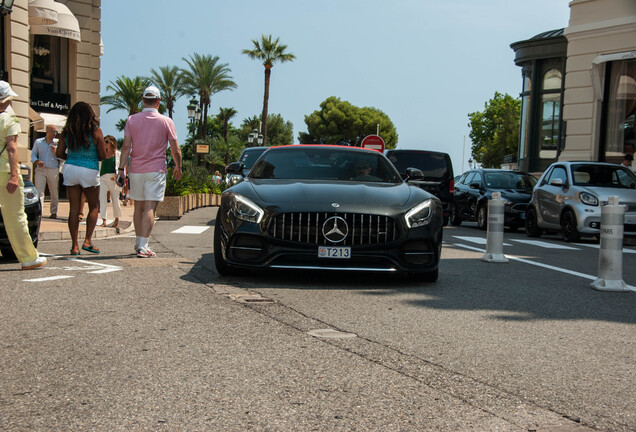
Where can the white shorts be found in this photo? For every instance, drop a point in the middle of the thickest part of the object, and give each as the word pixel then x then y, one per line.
pixel 79 176
pixel 147 186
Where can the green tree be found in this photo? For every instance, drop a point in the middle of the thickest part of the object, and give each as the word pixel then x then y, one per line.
pixel 168 79
pixel 224 117
pixel 339 121
pixel 222 151
pixel 127 93
pixel 204 78
pixel 494 132
pixel 281 132
pixel 269 52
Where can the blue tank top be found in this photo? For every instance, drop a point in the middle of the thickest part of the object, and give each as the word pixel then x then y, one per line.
pixel 84 157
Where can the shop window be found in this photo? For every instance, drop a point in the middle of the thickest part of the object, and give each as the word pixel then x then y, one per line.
pixel 49 71
pixel 620 109
pixel 550 114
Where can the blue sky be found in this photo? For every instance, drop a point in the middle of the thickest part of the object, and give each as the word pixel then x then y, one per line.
pixel 427 64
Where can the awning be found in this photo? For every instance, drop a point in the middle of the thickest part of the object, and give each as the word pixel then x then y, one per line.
pixel 36 120
pixel 597 73
pixel 42 12
pixel 66 26
pixel 58 120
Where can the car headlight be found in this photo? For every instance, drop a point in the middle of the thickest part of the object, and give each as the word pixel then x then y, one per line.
pixel 30 195
pixel 419 215
pixel 588 198
pixel 246 210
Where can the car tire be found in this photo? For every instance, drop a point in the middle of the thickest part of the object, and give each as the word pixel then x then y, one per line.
pixel 569 230
pixel 8 254
pixel 455 220
pixel 482 217
pixel 222 268
pixel 532 224
pixel 430 276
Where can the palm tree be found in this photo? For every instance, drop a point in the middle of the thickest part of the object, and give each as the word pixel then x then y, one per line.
pixel 205 77
pixel 127 94
pixel 268 52
pixel 224 116
pixel 169 80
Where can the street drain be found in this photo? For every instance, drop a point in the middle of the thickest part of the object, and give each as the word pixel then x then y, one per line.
pixel 331 334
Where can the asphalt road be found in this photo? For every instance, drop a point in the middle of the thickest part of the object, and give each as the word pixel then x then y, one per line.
pixel 111 342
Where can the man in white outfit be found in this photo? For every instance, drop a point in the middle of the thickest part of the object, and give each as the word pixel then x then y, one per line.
pixel 47 167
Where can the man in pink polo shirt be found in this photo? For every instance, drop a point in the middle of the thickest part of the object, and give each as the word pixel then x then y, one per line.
pixel 146 137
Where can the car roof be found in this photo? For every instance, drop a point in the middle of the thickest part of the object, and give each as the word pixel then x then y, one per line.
pixel 361 149
pixel 414 151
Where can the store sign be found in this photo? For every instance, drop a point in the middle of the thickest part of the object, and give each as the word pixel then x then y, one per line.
pixel 57 103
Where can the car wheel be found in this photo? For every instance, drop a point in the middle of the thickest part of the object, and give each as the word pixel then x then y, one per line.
pixel 482 217
pixel 430 276
pixel 569 230
pixel 532 227
pixel 222 267
pixel 455 220
pixel 8 254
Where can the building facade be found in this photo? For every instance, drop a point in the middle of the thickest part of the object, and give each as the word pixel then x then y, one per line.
pixel 51 57
pixel 579 87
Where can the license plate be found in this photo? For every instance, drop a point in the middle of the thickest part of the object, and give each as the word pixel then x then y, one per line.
pixel 334 252
pixel 522 216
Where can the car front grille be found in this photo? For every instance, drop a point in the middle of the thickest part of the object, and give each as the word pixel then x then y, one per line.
pixel 306 227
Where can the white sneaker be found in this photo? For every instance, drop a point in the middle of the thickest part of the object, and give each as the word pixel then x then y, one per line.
pixel 145 253
pixel 39 262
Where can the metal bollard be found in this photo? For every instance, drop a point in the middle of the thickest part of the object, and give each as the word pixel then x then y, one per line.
pixel 610 258
pixel 494 242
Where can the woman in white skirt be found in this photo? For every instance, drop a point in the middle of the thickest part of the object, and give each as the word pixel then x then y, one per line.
pixel 107 176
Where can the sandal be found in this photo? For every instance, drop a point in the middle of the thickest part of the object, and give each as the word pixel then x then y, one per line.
pixel 77 252
pixel 91 248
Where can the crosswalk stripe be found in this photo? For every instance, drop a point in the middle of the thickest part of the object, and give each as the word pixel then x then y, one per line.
pixel 596 246
pixel 545 245
pixel 476 240
pixel 190 229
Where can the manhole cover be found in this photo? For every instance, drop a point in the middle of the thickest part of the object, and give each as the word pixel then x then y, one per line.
pixel 331 334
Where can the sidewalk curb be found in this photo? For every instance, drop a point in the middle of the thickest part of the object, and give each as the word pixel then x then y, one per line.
pixel 100 232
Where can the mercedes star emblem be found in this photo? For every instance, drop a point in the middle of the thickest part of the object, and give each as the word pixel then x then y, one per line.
pixel 335 229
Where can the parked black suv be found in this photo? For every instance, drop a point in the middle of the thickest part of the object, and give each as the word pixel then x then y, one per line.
pixel 474 188
pixel 437 169
pixel 33 210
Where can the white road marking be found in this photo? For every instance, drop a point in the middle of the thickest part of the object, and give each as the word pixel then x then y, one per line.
pixel 545 245
pixel 47 279
pixel 98 267
pixel 598 246
pixel 546 266
pixel 190 229
pixel 477 240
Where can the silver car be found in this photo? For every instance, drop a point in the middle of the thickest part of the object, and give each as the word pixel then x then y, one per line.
pixel 569 196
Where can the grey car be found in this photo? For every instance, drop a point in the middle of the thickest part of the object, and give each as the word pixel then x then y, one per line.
pixel 569 196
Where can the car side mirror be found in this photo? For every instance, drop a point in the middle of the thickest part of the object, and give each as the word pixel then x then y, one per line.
pixel 414 174
pixel 235 168
pixel 557 182
pixel 475 186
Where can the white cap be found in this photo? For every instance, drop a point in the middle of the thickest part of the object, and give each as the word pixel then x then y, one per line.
pixel 152 92
pixel 6 92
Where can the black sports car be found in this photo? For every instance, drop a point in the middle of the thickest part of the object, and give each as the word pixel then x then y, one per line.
pixel 327 207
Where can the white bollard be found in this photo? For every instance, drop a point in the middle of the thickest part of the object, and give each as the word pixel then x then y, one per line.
pixel 610 258
pixel 494 242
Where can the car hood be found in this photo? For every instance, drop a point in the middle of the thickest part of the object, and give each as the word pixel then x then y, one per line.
pixel 603 193
pixel 302 195
pixel 516 196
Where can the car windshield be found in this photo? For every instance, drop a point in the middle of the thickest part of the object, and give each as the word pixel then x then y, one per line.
pixel 510 180
pixel 248 157
pixel 611 176
pixel 435 166
pixel 324 163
